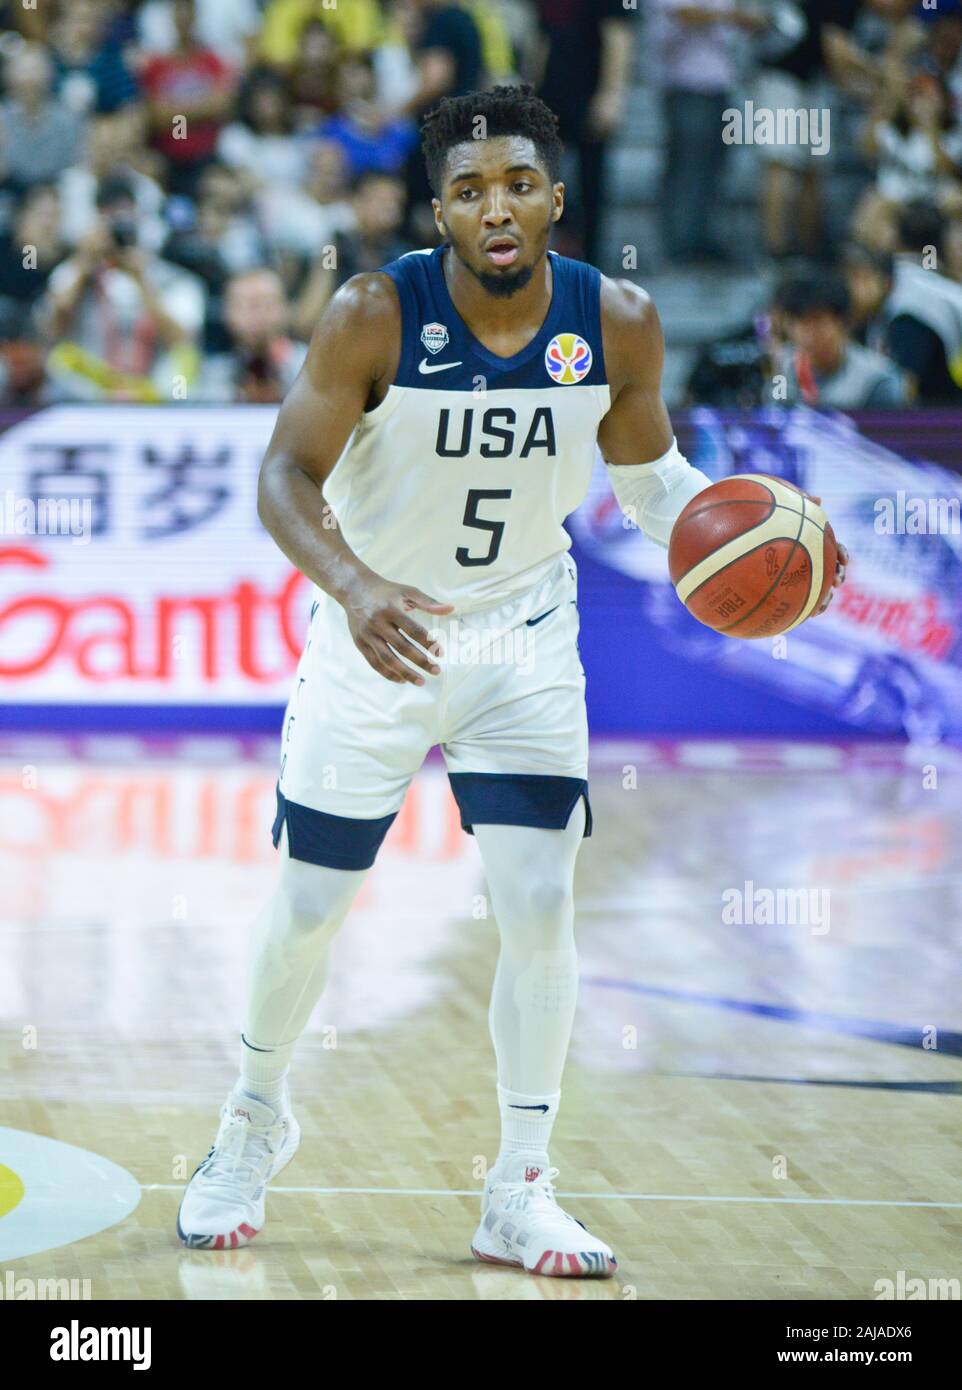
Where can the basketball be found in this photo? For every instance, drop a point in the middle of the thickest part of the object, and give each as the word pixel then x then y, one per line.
pixel 751 556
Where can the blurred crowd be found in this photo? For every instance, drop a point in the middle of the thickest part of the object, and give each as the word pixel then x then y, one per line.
pixel 185 183
pixel 867 307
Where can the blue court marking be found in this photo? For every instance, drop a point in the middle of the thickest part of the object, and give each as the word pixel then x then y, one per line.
pixel 143 718
pixel 875 1030
pixel 932 1088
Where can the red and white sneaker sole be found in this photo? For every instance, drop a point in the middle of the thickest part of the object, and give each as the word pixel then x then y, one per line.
pixel 586 1264
pixel 243 1235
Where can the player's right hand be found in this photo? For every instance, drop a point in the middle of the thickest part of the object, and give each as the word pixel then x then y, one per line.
pixel 379 617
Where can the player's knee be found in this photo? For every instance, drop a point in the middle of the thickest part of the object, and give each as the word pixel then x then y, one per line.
pixel 544 901
pixel 315 895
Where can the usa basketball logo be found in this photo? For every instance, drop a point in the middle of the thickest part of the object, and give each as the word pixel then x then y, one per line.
pixel 434 336
pixel 567 358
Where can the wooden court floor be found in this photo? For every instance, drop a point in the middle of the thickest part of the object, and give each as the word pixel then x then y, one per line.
pixel 752 1108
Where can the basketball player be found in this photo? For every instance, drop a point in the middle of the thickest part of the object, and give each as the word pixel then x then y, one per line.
pixel 446 419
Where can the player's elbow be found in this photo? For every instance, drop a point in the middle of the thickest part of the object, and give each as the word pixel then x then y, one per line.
pixel 270 487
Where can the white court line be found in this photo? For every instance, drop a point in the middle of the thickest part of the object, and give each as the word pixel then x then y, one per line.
pixel 584 1196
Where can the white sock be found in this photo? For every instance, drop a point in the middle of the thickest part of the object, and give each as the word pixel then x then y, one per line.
pixel 526 1123
pixel 263 1069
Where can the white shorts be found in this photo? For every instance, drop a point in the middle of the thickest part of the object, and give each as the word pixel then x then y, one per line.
pixel 508 711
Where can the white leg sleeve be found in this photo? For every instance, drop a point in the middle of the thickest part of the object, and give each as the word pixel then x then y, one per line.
pixel 530 875
pixel 652 495
pixel 290 944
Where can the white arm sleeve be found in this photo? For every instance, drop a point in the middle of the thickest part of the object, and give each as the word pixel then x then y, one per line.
pixel 653 494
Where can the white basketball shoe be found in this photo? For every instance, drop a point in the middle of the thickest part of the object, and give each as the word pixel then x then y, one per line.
pixel 223 1206
pixel 522 1224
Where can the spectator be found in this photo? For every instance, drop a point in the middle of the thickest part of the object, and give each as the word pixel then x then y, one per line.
pixel 262 360
pixel 260 141
pixel 521 27
pixel 395 65
pixel 375 239
pixel 913 135
pixel 355 27
pixel 221 239
pixel 313 75
pixel 123 321
pixel 190 94
pixel 824 367
pixel 39 136
pixel 583 57
pixel 698 67
pixel 368 139
pixel 29 252
pixel 491 19
pixel 120 30
pixel 941 49
pixel 868 278
pixel 447 48
pixel 229 27
pixel 791 194
pixel 113 146
pixel 21 361
pixel 922 314
pixel 300 221
pixel 953 249
pixel 91 73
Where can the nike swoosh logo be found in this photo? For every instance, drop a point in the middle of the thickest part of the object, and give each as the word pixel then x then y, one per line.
pixel 531 623
pixel 425 370
pixel 542 1108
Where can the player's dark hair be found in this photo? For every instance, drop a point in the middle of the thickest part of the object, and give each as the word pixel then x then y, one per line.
pixel 506 111
pixel 814 293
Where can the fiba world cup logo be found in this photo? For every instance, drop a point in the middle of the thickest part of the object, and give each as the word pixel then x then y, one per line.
pixel 567 358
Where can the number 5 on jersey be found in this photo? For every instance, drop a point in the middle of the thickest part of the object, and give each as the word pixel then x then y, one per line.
pixel 471 518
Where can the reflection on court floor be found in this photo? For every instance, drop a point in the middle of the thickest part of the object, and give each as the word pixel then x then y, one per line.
pixel 762 1096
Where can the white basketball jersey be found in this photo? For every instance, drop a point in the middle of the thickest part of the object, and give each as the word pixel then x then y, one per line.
pixel 459 481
